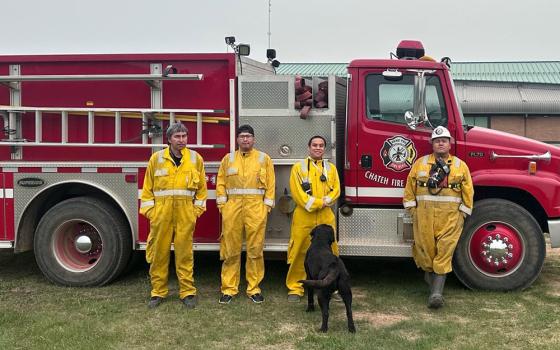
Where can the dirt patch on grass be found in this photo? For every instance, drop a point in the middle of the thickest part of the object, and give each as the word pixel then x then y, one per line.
pixel 412 335
pixel 553 288
pixel 378 319
pixel 21 290
pixel 359 293
pixel 289 328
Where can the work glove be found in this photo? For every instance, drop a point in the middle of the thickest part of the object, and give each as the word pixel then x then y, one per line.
pixel 150 213
pixel 411 211
pixel 198 211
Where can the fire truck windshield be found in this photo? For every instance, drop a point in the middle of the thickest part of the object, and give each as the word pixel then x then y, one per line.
pixel 388 100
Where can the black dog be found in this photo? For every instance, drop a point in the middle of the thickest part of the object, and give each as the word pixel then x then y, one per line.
pixel 326 273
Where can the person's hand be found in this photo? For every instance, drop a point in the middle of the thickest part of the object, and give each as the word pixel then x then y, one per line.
pixel 411 211
pixel 198 211
pixel 149 214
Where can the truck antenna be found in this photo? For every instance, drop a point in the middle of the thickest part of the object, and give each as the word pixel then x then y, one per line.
pixel 269 13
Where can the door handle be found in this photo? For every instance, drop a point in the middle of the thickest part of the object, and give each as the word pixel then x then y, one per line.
pixel 366 161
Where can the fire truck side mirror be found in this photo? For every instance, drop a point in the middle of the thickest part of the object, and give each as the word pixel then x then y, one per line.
pixel 411 120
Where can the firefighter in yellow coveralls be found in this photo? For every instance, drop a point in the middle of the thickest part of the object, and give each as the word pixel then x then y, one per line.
pixel 245 196
pixel 315 187
pixel 439 196
pixel 173 197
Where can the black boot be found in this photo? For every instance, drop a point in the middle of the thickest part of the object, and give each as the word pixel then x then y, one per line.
pixel 435 301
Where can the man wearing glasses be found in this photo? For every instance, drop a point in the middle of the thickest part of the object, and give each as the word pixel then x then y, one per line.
pixel 245 196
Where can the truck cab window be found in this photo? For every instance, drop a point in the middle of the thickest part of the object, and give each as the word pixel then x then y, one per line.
pixel 388 100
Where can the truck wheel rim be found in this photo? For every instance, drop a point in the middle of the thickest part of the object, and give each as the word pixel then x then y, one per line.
pixel 496 249
pixel 77 245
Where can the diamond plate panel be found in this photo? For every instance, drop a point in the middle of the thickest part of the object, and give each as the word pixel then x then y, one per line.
pixel 373 227
pixel 286 137
pixel 264 95
pixel 403 250
pixel 278 224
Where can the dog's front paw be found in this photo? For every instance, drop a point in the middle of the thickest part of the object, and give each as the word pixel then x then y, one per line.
pixel 323 329
pixel 352 329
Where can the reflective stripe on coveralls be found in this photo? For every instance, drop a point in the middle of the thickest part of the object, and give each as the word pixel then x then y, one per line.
pixel 309 212
pixel 437 218
pixel 167 201
pixel 245 195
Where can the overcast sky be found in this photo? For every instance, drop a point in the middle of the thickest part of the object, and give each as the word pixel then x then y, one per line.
pixel 302 31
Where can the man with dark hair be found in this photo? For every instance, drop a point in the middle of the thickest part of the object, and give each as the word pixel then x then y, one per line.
pixel 315 187
pixel 173 197
pixel 245 196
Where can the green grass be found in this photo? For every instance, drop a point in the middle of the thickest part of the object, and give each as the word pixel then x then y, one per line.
pixel 389 309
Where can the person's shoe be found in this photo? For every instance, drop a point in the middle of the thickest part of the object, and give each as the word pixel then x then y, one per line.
pixel 189 301
pixel 225 299
pixel 294 298
pixel 336 296
pixel 257 298
pixel 154 302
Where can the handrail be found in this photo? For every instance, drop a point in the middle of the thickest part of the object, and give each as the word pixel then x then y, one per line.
pixel 92 77
pixel 102 144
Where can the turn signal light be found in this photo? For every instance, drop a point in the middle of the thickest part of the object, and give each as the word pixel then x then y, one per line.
pixel 532 168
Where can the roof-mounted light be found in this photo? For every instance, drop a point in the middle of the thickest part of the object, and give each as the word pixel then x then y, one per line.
pixel 410 50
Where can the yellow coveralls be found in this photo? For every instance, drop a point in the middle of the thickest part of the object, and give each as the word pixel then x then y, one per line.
pixel 173 197
pixel 437 219
pixel 245 196
pixel 309 213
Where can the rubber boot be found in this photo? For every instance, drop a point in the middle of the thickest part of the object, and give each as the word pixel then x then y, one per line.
pixel 435 301
pixel 428 277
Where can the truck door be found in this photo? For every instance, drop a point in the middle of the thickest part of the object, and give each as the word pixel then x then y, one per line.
pixel 386 146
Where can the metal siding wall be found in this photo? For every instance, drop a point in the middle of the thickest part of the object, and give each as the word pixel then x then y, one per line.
pixel 510 98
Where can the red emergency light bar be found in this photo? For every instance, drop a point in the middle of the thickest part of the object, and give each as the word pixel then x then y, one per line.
pixel 410 50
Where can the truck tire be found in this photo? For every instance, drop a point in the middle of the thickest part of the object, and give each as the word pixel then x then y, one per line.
pixel 81 242
pixel 502 247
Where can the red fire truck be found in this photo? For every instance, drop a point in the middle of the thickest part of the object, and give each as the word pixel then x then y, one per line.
pixel 79 129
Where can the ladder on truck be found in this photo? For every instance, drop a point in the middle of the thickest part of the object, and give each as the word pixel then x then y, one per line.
pixel 151 134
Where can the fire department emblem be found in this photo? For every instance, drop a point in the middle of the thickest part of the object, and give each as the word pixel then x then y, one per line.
pixel 398 153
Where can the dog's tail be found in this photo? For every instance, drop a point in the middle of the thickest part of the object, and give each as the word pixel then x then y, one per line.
pixel 325 282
